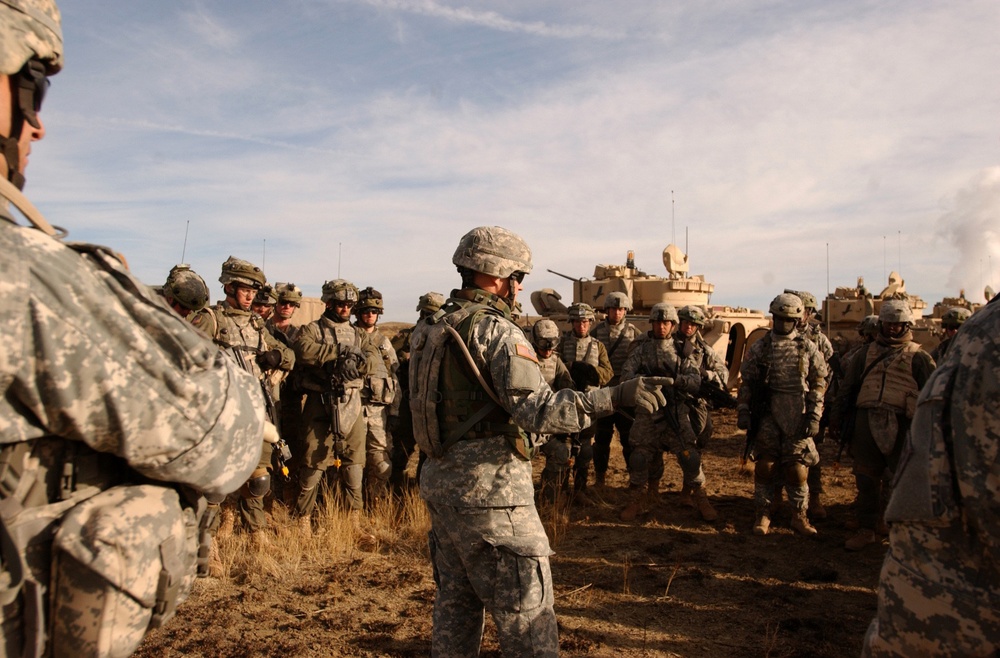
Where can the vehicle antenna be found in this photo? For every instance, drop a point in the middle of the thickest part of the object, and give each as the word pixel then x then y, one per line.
pixel 263 256
pixel 826 301
pixel 686 243
pixel 187 226
pixel 673 233
pixel 899 250
pixel 340 252
pixel 885 277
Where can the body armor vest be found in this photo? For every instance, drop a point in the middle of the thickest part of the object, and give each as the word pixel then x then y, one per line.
pixel 616 340
pixel 240 329
pixel 657 356
pixel 580 349
pixel 789 365
pixel 548 368
pixel 890 382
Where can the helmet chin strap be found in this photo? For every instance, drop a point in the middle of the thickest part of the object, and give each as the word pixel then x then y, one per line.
pixel 28 209
pixel 12 156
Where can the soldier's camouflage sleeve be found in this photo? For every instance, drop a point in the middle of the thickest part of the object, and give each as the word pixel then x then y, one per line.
pixel 939 592
pixel 502 348
pixel 604 370
pixel 750 373
pixel 310 350
pixel 287 354
pixel 816 380
pixel 633 362
pixel 90 355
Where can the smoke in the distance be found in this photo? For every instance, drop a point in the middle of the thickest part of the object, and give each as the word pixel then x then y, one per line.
pixel 973 227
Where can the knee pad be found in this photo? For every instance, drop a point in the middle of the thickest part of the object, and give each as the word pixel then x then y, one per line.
pixel 763 470
pixel 638 461
pixel 796 474
pixel 258 485
pixel 689 460
pixel 309 478
pixel 215 498
pixel 352 475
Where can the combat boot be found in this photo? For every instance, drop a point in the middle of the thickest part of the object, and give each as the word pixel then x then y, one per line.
pixel 816 509
pixel 366 540
pixel 599 479
pixel 861 540
pixel 685 497
pixel 701 503
pixel 762 525
pixel 653 493
pixel 215 567
pixel 303 526
pixel 227 522
pixel 635 506
pixel 800 524
pixel 260 539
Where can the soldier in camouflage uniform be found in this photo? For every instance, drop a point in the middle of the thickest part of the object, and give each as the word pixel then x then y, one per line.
pixel 487 543
pixel 400 420
pixel 784 381
pixel 690 345
pixel 939 593
pixel 264 302
pixel 588 363
pixel 951 322
pixel 880 389
pixel 811 330
pixel 334 358
pixel 185 291
pixel 289 298
pixel 109 395
pixel 241 333
pixel 670 429
pixel 557 449
pixel 616 334
pixel 377 394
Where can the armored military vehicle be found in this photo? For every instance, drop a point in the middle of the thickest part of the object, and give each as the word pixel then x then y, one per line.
pixel 729 330
pixel 844 308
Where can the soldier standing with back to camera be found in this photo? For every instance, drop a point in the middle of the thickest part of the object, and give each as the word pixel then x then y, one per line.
pixel 951 322
pixel 780 404
pixel 377 394
pixel 488 546
pixel 185 291
pixel 557 449
pixel 880 390
pixel 241 333
pixel 588 364
pixel 616 334
pixel 939 592
pixel 115 415
pixel 334 358
pixel 690 345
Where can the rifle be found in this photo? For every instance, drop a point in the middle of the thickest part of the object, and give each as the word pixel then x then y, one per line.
pixel 282 453
pixel 668 413
pixel 760 398
pixel 716 394
pixel 334 395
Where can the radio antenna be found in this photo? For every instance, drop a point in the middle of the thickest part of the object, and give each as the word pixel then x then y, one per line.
pixel 187 226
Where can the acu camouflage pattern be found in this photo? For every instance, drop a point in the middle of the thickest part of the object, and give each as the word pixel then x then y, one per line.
pixel 30 28
pixel 939 592
pixel 711 366
pixel 651 434
pixel 488 546
pixel 95 364
pixel 616 339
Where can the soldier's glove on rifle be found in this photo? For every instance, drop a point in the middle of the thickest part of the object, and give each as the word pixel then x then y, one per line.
pixel 743 419
pixel 349 363
pixel 641 392
pixel 812 427
pixel 269 360
pixel 270 433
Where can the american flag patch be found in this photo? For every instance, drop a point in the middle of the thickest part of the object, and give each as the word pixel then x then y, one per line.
pixel 527 353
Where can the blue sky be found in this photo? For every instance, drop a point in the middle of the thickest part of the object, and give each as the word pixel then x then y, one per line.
pixel 366 136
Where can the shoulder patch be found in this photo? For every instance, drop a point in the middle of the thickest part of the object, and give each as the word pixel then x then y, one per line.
pixel 526 352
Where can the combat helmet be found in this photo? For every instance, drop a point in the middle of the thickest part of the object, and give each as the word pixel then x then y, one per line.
pixel 868 325
pixel 186 288
pixel 545 335
pixel 955 316
pixel 340 290
pixel 787 306
pixel 430 302
pixel 808 299
pixel 288 292
pixel 617 300
pixel 493 250
pixel 692 314
pixel 369 299
pixel 663 312
pixel 581 311
pixel 895 310
pixel 235 270
pixel 266 296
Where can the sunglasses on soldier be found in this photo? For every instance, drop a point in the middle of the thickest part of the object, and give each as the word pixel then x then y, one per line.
pixel 517 276
pixel 32 83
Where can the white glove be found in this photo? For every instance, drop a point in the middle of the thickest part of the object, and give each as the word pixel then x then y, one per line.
pixel 270 433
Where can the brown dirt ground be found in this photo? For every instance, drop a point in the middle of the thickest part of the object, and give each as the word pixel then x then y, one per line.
pixel 666 585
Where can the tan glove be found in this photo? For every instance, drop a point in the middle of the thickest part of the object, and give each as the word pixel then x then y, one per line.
pixel 641 392
pixel 270 433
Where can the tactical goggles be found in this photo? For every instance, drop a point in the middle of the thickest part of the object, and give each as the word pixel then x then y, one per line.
pixel 288 303
pixel 546 343
pixel 32 83
pixel 517 276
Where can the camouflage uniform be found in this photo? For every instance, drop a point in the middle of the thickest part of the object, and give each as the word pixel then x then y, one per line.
pixel 616 339
pixel 557 449
pixel 587 360
pixel 795 387
pixel 939 592
pixel 487 543
pixel 324 347
pixel 377 394
pixel 693 348
pixel 115 413
pixel 234 330
pixel 651 435
pixel 880 389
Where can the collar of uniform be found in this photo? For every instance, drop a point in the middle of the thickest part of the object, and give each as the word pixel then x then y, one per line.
pixel 480 296
pixel 232 310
